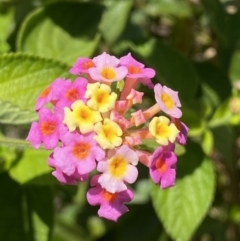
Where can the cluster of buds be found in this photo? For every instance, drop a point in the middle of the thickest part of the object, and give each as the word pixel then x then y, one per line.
pixel 92 123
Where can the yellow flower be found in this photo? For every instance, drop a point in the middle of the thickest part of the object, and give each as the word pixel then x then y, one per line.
pixel 108 134
pixel 101 98
pixel 81 116
pixel 163 132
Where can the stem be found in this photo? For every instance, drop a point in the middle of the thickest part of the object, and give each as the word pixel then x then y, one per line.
pixel 12 142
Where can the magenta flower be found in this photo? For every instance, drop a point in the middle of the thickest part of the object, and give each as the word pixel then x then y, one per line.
pixel 64 178
pixel 81 66
pixel 74 91
pixel 111 204
pixel 136 69
pixel 162 166
pixel 52 93
pixel 47 131
pixel 182 136
pixel 107 69
pixel 78 153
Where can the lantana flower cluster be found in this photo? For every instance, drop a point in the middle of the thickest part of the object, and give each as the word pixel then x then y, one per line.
pixel 93 123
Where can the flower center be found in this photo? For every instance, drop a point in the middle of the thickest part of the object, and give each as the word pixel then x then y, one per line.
pixel 118 166
pixel 134 70
pixel 162 129
pixel 72 94
pixel 108 73
pixel 161 165
pixel 88 64
pixel 81 150
pixel 109 197
pixel 167 100
pixel 48 127
pixel 45 92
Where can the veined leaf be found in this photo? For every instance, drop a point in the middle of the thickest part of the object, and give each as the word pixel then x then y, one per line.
pixel 181 208
pixel 62 31
pixel 22 78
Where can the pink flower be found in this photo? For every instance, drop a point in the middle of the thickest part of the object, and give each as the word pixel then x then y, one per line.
pixel 64 178
pixel 78 153
pixel 73 91
pixel 107 69
pixel 81 66
pixel 111 204
pixel 47 131
pixel 168 100
pixel 135 68
pixel 162 166
pixel 52 93
pixel 182 136
pixel 118 168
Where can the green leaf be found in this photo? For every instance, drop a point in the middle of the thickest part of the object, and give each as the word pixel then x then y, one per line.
pixel 62 31
pixel 40 212
pixel 182 207
pixel 22 78
pixel 234 66
pixel 11 221
pixel 171 68
pixel 207 141
pixel 215 78
pixel 116 14
pixel 32 168
pixel 222 115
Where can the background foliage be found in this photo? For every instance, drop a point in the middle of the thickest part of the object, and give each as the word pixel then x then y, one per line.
pixel 193 46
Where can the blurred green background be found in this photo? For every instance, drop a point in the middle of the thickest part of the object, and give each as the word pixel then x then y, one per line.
pixel 194 47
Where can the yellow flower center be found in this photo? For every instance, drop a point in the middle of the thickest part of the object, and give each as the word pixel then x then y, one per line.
pixel 162 129
pixel 81 150
pixel 118 166
pixel 108 73
pixel 167 100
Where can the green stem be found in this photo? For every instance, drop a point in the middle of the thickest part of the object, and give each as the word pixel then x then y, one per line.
pixel 12 142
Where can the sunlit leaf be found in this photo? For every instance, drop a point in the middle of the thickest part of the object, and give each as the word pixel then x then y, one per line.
pixel 22 78
pixel 62 31
pixel 182 207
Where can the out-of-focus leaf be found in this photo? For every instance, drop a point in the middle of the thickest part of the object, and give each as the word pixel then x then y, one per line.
pixel 223 142
pixel 195 124
pixel 22 78
pixel 32 165
pixel 39 205
pixel 221 116
pixel 62 31
pixel 176 8
pixel 115 19
pixel 215 78
pixel 234 66
pixel 207 141
pixel 171 68
pixel 11 221
pixel 5 27
pixel 182 207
